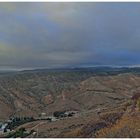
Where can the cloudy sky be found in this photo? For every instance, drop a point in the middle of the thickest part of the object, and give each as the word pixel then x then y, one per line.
pixel 54 35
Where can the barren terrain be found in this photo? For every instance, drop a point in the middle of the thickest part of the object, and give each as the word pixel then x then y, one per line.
pixel 94 94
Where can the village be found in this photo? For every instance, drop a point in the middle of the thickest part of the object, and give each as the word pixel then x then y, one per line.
pixel 12 123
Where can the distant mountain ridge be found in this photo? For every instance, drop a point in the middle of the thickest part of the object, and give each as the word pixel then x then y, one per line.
pixel 102 70
pixel 94 68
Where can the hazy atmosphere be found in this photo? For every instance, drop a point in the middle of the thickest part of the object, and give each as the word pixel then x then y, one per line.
pixel 69 70
pixel 55 35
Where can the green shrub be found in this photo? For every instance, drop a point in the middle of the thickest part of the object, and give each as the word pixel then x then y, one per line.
pixel 138 103
pixel 58 113
pixel 129 102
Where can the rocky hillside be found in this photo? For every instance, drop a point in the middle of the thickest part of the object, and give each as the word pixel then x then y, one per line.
pixel 29 93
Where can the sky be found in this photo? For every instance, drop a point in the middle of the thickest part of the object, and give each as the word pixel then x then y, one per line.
pixel 66 35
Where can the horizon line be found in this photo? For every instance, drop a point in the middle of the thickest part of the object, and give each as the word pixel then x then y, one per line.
pixel 53 68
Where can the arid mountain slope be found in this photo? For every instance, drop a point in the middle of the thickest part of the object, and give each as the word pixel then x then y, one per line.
pixel 31 92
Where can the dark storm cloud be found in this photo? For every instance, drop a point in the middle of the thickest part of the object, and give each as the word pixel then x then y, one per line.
pixel 69 34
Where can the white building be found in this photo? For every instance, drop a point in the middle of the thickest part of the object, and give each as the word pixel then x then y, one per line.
pixel 2 127
pixel 52 118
